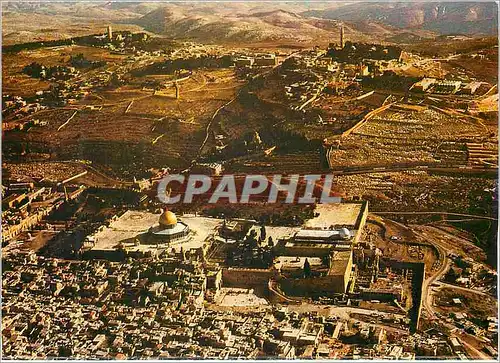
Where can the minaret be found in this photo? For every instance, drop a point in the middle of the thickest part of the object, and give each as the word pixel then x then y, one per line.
pixel 177 90
pixel 110 33
pixel 342 37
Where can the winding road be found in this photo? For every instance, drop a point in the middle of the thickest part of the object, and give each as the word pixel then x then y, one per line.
pixel 427 302
pixel 472 216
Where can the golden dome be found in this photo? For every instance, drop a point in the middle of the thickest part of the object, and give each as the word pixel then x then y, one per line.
pixel 168 218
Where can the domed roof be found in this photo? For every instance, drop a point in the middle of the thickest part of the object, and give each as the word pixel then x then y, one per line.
pixel 168 218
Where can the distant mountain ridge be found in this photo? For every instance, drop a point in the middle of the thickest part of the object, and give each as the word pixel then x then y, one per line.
pixel 265 22
pixel 207 24
pixel 440 17
pixel 240 22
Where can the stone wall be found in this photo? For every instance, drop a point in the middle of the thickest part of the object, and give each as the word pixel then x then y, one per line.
pixel 418 270
pixel 246 277
pixel 332 284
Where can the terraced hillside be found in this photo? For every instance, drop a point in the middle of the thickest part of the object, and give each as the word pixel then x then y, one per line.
pixel 130 129
pixel 290 163
pixel 397 136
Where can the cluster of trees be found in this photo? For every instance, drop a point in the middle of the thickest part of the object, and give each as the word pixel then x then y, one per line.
pixel 253 251
pixel 355 52
pixel 289 140
pixel 37 70
pixel 285 140
pixel 278 215
pixel 293 216
pixel 171 65
pixel 390 80
pixel 443 46
pixel 14 48
pixel 79 61
pixel 89 40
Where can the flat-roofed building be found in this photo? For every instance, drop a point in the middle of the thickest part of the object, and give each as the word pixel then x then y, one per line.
pixel 447 87
pixel 13 200
pixel 244 62
pixel 471 88
pixel 322 236
pixel 340 270
pixel 423 85
pixel 334 281
pixel 337 227
pixel 266 61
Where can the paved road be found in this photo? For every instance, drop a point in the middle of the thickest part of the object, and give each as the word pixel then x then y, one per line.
pixel 340 311
pixel 477 353
pixel 386 168
pixel 209 125
pixel 461 288
pixel 426 293
pixel 437 213
pixel 427 302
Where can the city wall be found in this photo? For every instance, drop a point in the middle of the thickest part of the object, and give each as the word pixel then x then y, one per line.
pixel 363 215
pixel 246 277
pixel 361 221
pixel 418 270
pixel 114 255
pixel 332 284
